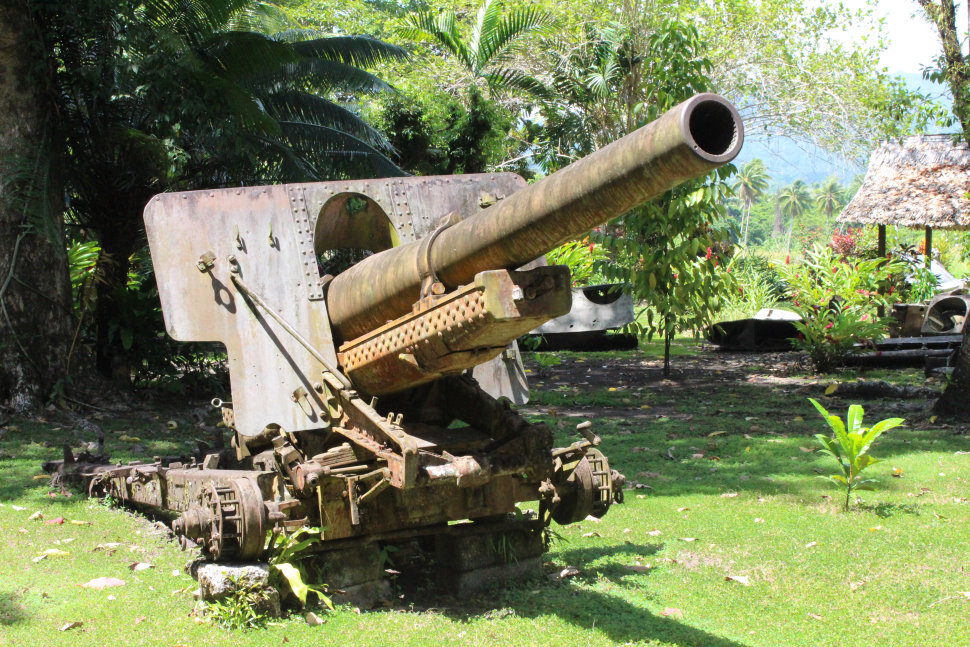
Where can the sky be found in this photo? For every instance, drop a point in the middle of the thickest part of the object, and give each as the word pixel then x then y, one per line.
pixel 913 41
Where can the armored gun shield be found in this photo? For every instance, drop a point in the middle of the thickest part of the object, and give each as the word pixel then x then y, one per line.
pixel 271 240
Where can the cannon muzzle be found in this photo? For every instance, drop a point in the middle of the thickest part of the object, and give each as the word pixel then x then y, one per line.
pixel 692 139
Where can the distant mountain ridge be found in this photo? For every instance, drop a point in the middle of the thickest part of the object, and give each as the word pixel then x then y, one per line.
pixel 788 160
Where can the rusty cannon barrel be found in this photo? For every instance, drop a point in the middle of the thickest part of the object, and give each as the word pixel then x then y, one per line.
pixel 692 139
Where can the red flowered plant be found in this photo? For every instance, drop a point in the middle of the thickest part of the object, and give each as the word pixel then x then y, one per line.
pixel 837 298
pixel 844 244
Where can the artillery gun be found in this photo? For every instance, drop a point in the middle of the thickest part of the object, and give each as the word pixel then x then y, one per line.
pixel 353 406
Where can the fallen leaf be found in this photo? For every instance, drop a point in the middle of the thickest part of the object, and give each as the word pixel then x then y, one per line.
pixel 313 619
pixel 697 455
pixel 103 583
pixel 37 515
pixel 638 568
pixel 688 539
pixel 729 495
pixel 569 571
pixel 811 544
pixel 798 419
pixel 40 477
pixel 139 566
pixel 671 611
pixel 108 546
pixel 831 388
pixel 51 552
pixel 591 534
pixel 78 522
pixel 933 418
pixel 814 616
pixel 965 594
pixel 759 520
pixel 112 598
pixel 875 529
pixel 897 472
pixel 592 518
pixel 807 450
pixel 655 533
pixel 740 579
pixel 71 625
pixel 18 508
pixel 56 521
pixel 684 509
pixel 716 433
pixel 139 620
pixel 625 530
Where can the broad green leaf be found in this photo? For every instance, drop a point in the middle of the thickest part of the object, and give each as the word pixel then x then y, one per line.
pixel 881 426
pixel 294 579
pixel 854 418
pixel 127 337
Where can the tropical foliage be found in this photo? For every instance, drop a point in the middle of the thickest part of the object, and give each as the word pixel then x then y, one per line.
pixel 838 299
pixel 159 99
pixel 849 445
pixel 750 184
pixel 484 52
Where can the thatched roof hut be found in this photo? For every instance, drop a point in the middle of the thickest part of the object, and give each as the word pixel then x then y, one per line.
pixel 921 181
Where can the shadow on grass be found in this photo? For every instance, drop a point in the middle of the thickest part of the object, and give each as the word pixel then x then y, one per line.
pixel 576 602
pixel 11 610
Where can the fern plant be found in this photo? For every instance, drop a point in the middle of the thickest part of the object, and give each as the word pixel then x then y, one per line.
pixel 286 560
pixel 849 445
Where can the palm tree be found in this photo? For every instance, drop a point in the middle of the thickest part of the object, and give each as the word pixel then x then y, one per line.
pixel 485 51
pixel 749 185
pixel 160 95
pixel 829 196
pixel 794 200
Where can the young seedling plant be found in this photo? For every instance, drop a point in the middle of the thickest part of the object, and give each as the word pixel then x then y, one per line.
pixel 850 445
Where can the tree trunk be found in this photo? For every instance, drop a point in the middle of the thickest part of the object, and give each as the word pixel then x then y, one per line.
pixel 955 70
pixel 955 401
pixel 35 297
pixel 667 338
pixel 779 225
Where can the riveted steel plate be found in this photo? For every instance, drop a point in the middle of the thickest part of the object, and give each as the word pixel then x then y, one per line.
pixel 272 233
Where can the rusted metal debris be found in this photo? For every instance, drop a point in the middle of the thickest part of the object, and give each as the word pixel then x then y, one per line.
pixel 353 407
pixel 593 323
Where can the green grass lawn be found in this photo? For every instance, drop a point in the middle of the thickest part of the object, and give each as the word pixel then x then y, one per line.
pixel 728 487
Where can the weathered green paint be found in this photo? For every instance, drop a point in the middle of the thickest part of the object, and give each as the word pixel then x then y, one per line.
pixel 690 140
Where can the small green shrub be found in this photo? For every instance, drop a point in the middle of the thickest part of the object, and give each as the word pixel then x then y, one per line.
pixel 546 361
pixel 849 445
pixel 286 561
pixel 757 285
pixel 837 298
pixel 581 256
pixel 239 610
pixel 829 334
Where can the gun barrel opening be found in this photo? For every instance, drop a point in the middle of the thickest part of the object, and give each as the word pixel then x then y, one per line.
pixel 713 125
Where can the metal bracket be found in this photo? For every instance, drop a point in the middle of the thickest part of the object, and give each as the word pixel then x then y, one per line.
pixel 430 285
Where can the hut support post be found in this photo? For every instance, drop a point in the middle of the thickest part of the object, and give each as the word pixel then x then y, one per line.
pixel 928 254
pixel 881 248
